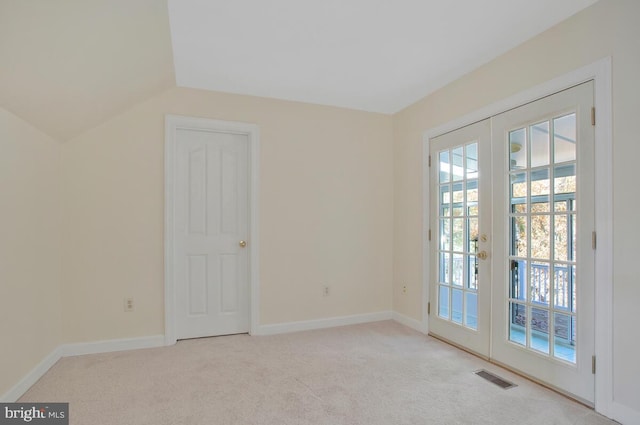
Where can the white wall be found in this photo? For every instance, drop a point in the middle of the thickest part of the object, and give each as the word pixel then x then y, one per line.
pixel 29 248
pixel 326 215
pixel 608 28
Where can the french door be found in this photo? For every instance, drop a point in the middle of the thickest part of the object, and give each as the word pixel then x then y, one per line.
pixel 461 213
pixel 535 236
pixel 543 301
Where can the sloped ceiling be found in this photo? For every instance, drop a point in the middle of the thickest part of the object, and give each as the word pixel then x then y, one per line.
pixel 374 55
pixel 68 65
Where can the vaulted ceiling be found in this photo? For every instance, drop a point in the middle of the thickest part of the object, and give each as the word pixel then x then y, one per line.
pixel 68 65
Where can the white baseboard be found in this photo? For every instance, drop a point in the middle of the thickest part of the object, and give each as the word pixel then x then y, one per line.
pixel 68 350
pixel 32 377
pixel 111 345
pixel 409 322
pixel 624 414
pixel 331 322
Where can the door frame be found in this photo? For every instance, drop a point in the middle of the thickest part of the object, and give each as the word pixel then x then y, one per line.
pixel 600 73
pixel 252 131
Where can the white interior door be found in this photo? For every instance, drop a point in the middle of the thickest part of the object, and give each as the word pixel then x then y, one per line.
pixel 461 217
pixel 210 233
pixel 543 259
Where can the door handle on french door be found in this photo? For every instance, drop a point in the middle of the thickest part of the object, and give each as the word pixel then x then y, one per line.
pixel 483 255
pixel 242 244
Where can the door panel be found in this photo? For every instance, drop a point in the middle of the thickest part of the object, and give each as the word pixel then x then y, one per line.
pixel 543 304
pixel 211 218
pixel 460 211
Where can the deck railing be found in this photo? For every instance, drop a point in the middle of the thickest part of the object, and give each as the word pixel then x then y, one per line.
pixel 541 282
pixel 564 296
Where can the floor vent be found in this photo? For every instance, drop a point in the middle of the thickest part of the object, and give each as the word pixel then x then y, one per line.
pixel 495 379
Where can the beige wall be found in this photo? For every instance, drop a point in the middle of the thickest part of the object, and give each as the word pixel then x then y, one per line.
pixel 67 66
pixel 609 28
pixel 328 176
pixel 29 251
pixel 326 215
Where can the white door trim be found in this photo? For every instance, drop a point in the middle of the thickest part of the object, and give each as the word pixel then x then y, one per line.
pixel 600 72
pixel 173 123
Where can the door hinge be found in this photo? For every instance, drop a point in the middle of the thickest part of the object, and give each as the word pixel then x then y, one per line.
pixel 428 308
pixel 429 234
pixel 593 365
pixel 593 116
pixel 429 160
pixel 594 240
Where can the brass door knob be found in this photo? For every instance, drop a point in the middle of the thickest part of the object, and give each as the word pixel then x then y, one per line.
pixel 483 255
pixel 243 244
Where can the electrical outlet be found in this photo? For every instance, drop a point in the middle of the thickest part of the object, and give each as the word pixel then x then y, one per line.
pixel 325 290
pixel 128 305
pixel 404 289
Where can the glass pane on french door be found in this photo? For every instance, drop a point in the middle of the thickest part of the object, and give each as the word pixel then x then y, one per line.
pixel 458 235
pixel 460 207
pixel 542 220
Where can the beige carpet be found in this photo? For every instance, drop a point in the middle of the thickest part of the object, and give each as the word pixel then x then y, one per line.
pixel 380 373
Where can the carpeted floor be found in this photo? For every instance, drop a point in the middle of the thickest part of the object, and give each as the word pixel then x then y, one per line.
pixel 374 374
